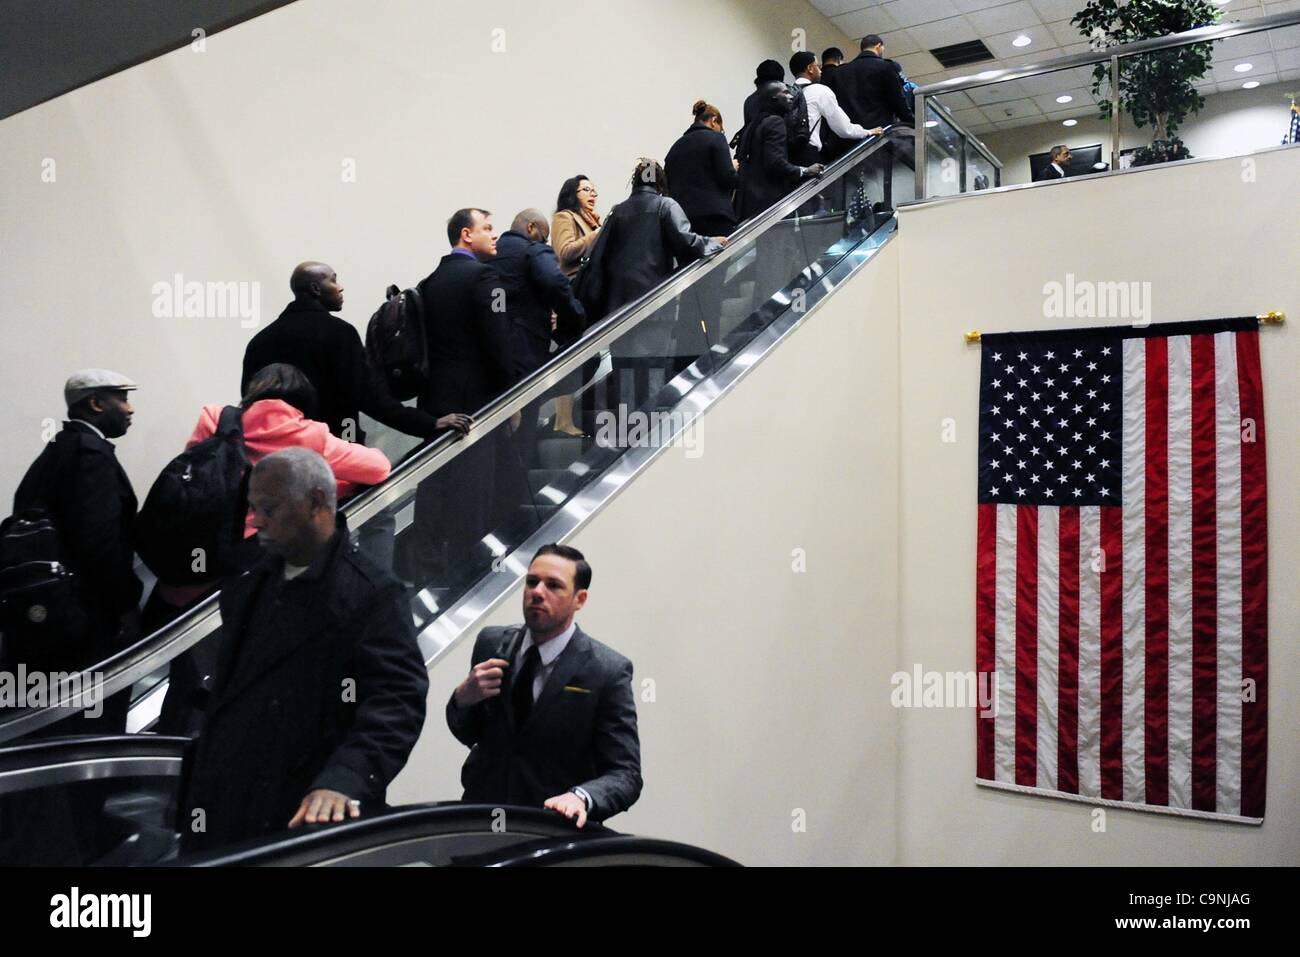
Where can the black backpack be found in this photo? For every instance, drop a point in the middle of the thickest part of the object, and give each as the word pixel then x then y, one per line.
pixel 395 344
pixel 798 131
pixel 40 610
pixel 198 503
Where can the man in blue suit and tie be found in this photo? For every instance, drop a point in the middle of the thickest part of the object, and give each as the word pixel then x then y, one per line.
pixel 547 710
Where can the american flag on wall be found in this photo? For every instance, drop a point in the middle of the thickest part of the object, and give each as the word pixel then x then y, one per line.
pixel 1121 597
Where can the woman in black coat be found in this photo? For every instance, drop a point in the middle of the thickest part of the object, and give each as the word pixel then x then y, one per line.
pixel 703 174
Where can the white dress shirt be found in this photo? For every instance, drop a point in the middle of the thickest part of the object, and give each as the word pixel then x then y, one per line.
pixel 824 105
pixel 547 652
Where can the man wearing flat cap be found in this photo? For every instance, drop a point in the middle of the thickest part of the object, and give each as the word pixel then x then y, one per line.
pixel 78 482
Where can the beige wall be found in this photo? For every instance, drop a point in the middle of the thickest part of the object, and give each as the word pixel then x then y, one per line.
pixel 1211 245
pixel 1230 124
pixel 761 673
pixel 228 166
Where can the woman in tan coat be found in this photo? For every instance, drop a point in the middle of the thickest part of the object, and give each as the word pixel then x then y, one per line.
pixel 574 229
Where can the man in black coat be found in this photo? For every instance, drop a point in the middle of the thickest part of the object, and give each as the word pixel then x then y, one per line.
pixel 870 88
pixel 539 306
pixel 534 288
pixel 320 688
pixel 702 175
pixel 78 481
pixel 766 174
pixel 547 710
pixel 329 352
pixel 769 71
pixel 470 365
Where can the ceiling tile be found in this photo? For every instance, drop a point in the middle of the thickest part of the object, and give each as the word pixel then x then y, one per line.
pixel 833 8
pixel 911 12
pixel 970 6
pixel 1082 101
pixel 1011 109
pixel 1050 10
pixel 1065 33
pixel 900 43
pixel 1284 38
pixel 1009 16
pixel 956 101
pixel 1287 59
pixel 1245 45
pixel 941 33
pixel 1043 46
pixel 1010 124
pixel 919 64
pixel 861 22
pixel 1262 62
pixel 970 118
pixel 996 92
pixel 1058 81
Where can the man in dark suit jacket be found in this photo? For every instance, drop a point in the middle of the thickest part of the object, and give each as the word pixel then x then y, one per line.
pixel 79 482
pixel 870 89
pixel 534 288
pixel 1055 169
pixel 470 364
pixel 547 710
pixel 329 352
pixel 766 173
pixel 539 305
pixel 320 688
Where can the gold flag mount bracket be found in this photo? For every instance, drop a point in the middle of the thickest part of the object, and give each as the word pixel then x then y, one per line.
pixel 1273 318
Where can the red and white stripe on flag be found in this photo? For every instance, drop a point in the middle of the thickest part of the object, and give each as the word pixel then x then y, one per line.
pixel 1128 642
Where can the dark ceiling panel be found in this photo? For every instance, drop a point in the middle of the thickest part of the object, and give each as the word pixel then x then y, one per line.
pixel 48 47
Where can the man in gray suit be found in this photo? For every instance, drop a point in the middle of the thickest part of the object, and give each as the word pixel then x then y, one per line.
pixel 546 709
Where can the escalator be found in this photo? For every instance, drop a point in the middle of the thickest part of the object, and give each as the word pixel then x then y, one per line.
pixel 461 835
pixel 645 371
pixel 111 801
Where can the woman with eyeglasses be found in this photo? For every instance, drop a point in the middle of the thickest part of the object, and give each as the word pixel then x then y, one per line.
pixel 574 230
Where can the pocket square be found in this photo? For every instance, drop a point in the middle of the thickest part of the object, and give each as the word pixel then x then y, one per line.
pixel 577 689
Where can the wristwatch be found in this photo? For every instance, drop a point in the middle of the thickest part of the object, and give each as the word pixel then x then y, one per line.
pixel 586 798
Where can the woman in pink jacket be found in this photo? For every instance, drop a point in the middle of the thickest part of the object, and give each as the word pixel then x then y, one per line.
pixel 276 410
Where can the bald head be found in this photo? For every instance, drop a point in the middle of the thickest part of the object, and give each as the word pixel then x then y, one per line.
pixel 532 223
pixel 317 282
pixel 775 97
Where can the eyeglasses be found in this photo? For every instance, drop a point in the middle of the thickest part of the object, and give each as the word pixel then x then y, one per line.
pixel 588 189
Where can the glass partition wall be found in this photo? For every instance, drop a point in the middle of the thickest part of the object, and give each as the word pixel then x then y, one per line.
pixel 1219 90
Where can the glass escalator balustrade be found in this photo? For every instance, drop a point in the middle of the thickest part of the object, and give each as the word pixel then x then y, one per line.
pixel 455 512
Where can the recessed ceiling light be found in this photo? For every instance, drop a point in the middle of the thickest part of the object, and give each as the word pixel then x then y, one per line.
pixel 1250 84
pixel 1069 122
pixel 1065 98
pixel 1021 41
pixel 929 123
pixel 1244 67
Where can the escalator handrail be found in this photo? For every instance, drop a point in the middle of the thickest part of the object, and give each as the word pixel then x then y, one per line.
pixel 55 761
pixel 396 825
pixel 555 853
pixel 128 666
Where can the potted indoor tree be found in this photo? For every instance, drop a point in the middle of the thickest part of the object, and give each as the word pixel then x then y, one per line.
pixel 1156 89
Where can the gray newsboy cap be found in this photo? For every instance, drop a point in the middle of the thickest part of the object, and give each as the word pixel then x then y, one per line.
pixel 86 382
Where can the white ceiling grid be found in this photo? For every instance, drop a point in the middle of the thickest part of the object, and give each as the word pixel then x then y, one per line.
pixel 911 28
